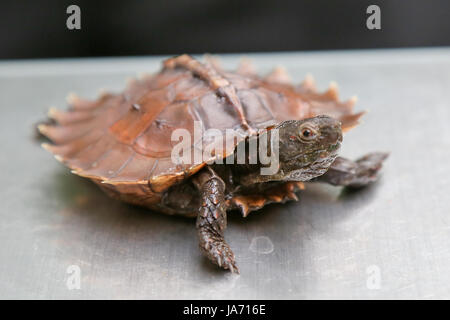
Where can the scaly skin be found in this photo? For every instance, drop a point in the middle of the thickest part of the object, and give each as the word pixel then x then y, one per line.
pixel 212 221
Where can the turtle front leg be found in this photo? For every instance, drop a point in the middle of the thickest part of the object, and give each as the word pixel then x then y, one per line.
pixel 212 220
pixel 354 174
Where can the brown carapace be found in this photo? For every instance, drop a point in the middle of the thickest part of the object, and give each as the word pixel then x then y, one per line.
pixel 122 142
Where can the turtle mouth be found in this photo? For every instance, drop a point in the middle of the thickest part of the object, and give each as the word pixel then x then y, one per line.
pixel 334 148
pixel 325 158
pixel 317 167
pixel 320 166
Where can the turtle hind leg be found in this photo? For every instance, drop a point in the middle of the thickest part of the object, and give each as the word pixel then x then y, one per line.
pixel 272 193
pixel 212 220
pixel 354 174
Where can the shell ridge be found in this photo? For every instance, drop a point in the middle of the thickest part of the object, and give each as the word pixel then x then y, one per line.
pixel 279 100
pixel 216 80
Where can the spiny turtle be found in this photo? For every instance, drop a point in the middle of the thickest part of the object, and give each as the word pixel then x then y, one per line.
pixel 123 142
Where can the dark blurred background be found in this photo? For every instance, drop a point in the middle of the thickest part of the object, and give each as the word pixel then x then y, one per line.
pixel 37 29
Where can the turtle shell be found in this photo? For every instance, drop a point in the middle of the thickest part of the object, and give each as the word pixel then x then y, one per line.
pixel 123 141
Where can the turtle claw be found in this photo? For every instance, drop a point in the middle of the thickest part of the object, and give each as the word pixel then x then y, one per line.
pixel 226 260
pixel 219 253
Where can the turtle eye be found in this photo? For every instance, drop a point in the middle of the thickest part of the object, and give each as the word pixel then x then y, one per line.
pixel 307 133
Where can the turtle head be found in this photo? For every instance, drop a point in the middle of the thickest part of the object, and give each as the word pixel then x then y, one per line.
pixel 307 147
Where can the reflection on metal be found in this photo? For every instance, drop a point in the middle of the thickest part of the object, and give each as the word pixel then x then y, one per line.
pixel 325 245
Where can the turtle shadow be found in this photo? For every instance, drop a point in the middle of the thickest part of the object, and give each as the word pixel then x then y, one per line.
pixel 317 201
pixel 337 204
pixel 289 228
pixel 83 208
pixel 88 215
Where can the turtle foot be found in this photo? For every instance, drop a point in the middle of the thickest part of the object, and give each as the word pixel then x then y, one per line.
pixel 281 193
pixel 219 252
pixel 355 174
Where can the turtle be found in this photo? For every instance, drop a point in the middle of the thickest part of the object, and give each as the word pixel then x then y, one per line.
pixel 124 143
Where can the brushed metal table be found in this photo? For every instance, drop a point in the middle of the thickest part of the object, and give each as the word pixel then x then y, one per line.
pixel 391 240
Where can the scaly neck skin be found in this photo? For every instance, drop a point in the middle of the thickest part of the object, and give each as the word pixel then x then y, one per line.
pixel 278 169
pixel 303 167
pixel 301 174
pixel 256 177
pixel 246 171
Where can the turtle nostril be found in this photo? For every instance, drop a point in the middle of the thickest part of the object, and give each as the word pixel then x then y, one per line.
pixel 335 137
